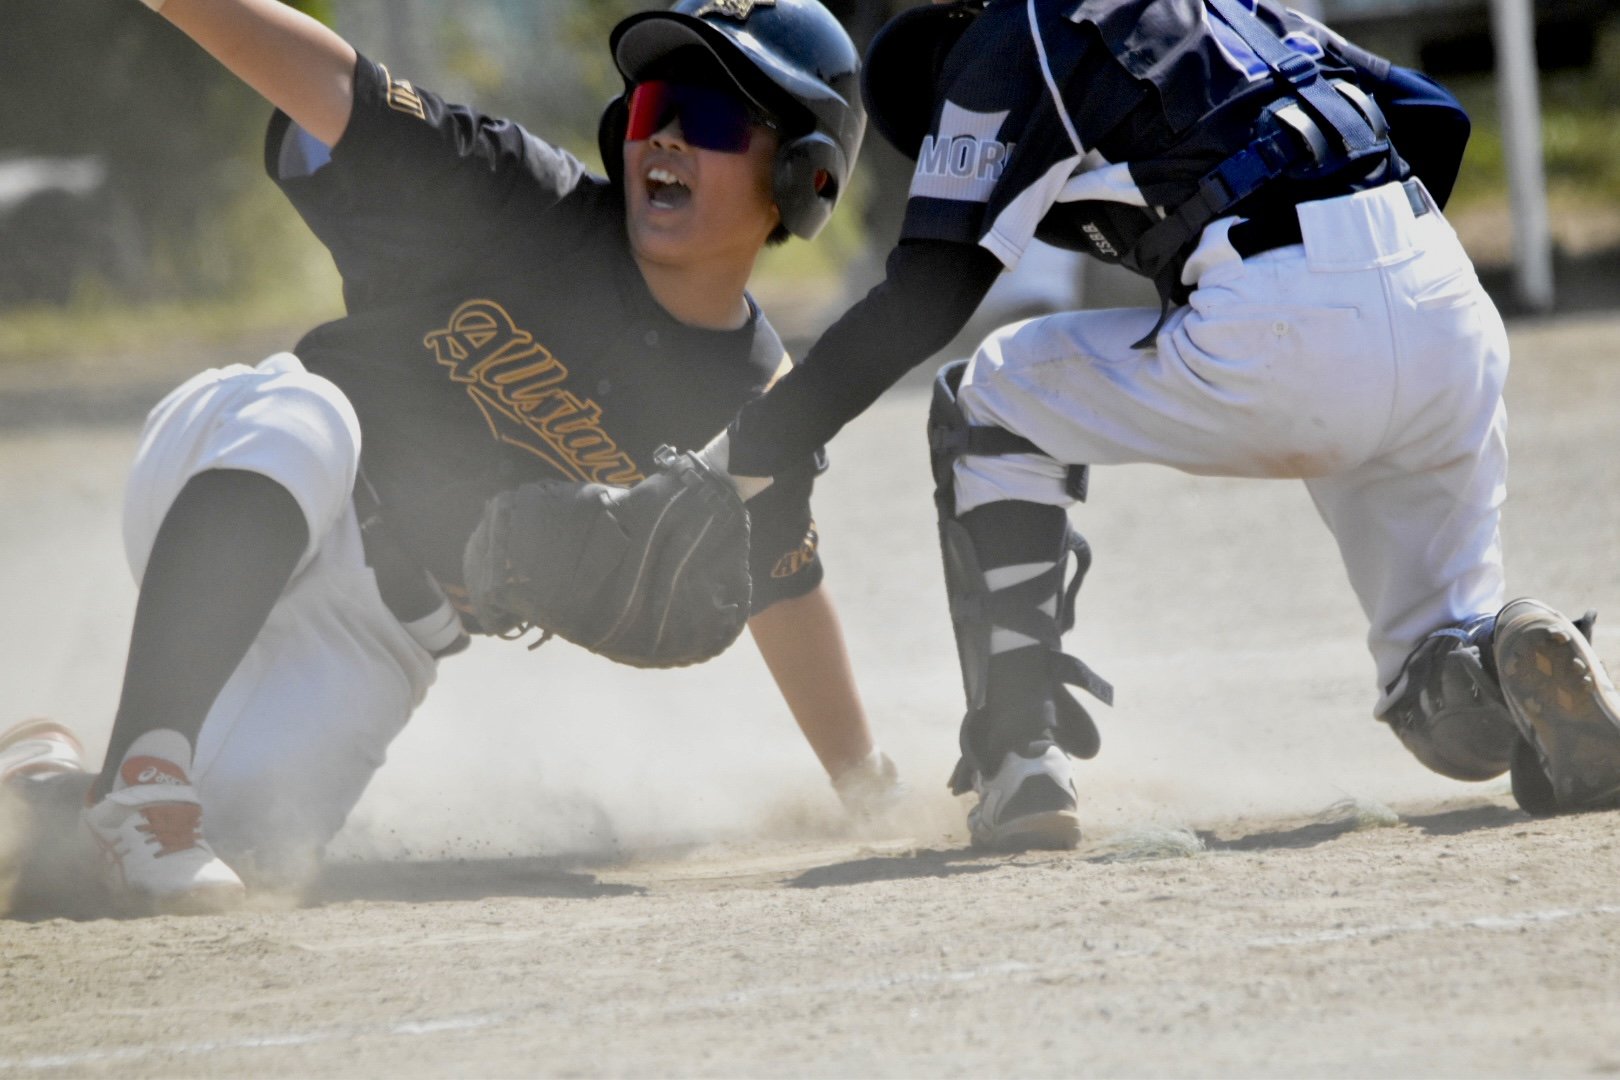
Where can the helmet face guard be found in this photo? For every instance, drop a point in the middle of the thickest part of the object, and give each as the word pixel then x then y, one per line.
pixel 791 59
pixel 900 76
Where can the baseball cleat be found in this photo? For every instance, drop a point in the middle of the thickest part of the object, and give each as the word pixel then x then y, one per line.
pixel 1030 802
pixel 36 749
pixel 1565 706
pixel 149 829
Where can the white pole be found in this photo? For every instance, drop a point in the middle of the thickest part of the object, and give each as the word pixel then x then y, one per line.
pixel 1513 31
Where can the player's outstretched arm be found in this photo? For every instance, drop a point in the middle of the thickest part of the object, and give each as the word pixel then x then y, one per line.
pixel 803 646
pixel 300 66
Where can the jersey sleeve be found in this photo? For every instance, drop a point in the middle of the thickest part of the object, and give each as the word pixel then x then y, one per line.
pixel 1429 127
pixel 417 187
pixel 1009 133
pixel 1427 124
pixel 981 123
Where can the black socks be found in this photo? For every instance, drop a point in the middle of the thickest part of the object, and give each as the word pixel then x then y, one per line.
pixel 225 552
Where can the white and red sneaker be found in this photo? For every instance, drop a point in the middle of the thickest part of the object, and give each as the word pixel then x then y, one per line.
pixel 36 749
pixel 149 828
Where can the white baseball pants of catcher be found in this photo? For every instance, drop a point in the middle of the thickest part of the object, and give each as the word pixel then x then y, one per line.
pixel 1367 362
pixel 305 720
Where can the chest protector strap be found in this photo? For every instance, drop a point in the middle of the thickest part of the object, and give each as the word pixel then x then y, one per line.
pixel 1314 130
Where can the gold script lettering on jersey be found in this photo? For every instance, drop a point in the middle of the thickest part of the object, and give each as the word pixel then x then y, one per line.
pixel 735 9
pixel 518 385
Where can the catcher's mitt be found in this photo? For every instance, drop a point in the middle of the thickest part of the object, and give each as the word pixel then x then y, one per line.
pixel 655 575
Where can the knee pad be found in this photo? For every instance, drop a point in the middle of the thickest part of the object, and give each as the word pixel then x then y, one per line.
pixel 1451 714
pixel 951 436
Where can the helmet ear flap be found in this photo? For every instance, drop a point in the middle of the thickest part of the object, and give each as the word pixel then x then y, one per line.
pixel 807 182
pixel 610 132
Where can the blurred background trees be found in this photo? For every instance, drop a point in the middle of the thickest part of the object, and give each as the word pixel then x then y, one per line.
pixel 131 177
pixel 130 162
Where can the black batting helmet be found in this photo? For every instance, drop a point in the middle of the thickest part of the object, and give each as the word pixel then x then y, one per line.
pixel 792 58
pixel 900 77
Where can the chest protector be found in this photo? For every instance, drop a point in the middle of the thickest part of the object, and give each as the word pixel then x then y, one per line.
pixel 1315 128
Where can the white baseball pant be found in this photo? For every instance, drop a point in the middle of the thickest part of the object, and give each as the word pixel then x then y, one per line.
pixel 1367 362
pixel 305 720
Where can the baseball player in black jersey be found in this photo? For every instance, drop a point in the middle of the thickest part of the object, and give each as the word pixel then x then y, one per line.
pixel 298 527
pixel 1318 320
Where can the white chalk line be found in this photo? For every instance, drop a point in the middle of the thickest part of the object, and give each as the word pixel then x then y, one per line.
pixel 252 1042
pixel 1483 922
pixel 413 1028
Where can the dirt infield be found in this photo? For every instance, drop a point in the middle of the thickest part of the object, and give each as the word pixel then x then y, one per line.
pixel 567 869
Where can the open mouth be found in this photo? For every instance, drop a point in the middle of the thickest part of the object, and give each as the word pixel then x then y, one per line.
pixel 665 191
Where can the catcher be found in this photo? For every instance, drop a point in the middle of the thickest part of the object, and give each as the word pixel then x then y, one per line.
pixel 520 339
pixel 1319 320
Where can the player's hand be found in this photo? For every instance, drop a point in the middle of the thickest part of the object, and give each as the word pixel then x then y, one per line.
pixel 298 64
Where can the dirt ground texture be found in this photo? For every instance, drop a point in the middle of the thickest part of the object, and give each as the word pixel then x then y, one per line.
pixel 571 869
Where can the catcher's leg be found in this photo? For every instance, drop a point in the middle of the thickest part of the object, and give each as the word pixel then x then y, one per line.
pixel 1004 577
pixel 1447 706
pixel 1520 690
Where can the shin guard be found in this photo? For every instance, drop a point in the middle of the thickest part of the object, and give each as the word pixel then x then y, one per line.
pixel 1029 701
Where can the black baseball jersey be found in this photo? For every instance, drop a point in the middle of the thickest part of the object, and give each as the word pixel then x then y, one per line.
pixel 499 331
pixel 1080 122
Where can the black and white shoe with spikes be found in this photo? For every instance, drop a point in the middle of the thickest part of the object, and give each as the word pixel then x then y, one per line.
pixel 1566 707
pixel 1029 802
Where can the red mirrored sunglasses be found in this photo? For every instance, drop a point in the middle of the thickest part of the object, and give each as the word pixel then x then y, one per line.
pixel 710 119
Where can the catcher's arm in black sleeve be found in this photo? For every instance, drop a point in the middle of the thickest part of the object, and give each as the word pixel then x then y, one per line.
pixel 783 557
pixel 931 289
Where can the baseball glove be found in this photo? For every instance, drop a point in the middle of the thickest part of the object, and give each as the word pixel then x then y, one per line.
pixel 655 575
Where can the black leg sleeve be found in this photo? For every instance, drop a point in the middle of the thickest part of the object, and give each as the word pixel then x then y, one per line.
pixel 225 552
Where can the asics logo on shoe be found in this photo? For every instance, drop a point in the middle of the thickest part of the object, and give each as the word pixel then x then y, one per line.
pixel 151 770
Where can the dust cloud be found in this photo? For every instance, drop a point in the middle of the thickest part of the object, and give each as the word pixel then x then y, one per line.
pixel 1218 608
pixel 1243 691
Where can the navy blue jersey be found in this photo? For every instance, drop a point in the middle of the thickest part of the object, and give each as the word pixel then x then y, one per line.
pixel 1080 122
pixel 498 329
pixel 1064 120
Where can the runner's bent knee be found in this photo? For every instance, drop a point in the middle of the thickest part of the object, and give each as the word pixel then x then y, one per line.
pixel 275 419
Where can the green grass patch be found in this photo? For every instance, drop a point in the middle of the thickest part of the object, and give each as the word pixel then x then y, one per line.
pixel 252 267
pixel 1580 129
